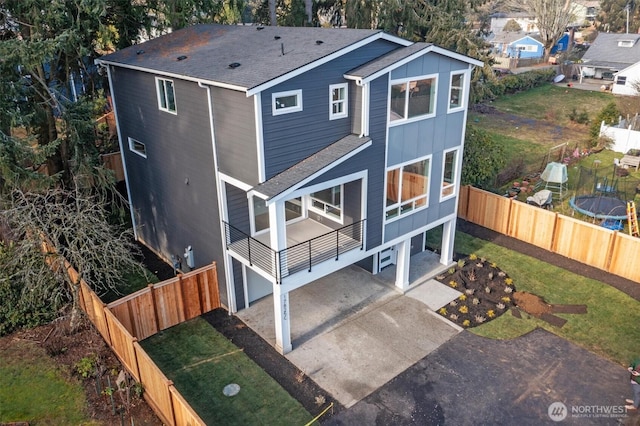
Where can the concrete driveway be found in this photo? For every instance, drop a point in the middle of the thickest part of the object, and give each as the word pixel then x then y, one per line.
pixel 352 332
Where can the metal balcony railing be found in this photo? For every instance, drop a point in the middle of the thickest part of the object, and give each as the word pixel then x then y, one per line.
pixel 296 258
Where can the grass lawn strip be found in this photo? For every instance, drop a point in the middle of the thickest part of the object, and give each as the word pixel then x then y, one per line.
pixel 33 388
pixel 201 362
pixel 609 326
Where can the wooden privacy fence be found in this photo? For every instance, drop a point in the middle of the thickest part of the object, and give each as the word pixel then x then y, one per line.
pixel 113 162
pixel 584 242
pixel 144 313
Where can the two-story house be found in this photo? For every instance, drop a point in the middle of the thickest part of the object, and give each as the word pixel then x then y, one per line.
pixel 284 154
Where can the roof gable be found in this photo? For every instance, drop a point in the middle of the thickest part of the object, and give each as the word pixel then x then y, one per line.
pixel 507 37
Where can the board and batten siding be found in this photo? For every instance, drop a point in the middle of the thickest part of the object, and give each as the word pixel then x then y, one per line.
pixel 172 190
pixel 235 133
pixel 290 138
pixel 430 136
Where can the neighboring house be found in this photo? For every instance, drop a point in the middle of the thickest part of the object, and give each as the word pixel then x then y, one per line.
pixel 284 154
pixel 585 11
pixel 517 45
pixel 562 45
pixel 526 21
pixel 612 55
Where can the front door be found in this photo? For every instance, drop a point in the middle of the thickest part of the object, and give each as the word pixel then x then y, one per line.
pixel 386 257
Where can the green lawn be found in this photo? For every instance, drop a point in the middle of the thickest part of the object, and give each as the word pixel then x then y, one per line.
pixel 34 389
pixel 608 329
pixel 201 362
pixel 555 103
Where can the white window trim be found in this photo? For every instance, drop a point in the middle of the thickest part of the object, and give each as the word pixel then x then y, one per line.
pixel 132 148
pixel 455 175
pixel 298 107
pixel 406 99
pixel 463 91
pixel 311 208
pixel 344 101
pixel 399 203
pixel 158 80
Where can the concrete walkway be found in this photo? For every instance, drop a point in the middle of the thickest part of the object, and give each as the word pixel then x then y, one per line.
pixel 352 332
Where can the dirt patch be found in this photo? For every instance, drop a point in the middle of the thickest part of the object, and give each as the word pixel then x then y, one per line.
pixel 531 303
pixel 67 349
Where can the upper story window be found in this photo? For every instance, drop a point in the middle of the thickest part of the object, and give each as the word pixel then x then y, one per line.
pixel 411 99
pixel 286 102
pixel 328 202
pixel 338 100
pixel 137 147
pixel 449 174
pixel 456 92
pixel 407 188
pixel 166 95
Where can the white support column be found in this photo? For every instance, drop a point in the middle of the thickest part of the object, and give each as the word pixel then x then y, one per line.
pixel 448 238
pixel 282 319
pixel 281 309
pixel 402 264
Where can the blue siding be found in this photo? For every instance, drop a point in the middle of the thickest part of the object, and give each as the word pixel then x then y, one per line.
pixel 430 136
pixel 172 190
pixel 235 133
pixel 526 41
pixel 289 138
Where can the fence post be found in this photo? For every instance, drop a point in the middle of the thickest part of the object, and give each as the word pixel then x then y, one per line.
pixel 154 305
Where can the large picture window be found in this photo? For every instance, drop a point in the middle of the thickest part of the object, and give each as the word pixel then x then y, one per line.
pixel 328 202
pixel 338 99
pixel 449 176
pixel 166 95
pixel 456 92
pixel 286 102
pixel 412 99
pixel 407 188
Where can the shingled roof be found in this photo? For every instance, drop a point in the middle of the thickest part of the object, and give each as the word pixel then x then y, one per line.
pixel 606 53
pixel 238 56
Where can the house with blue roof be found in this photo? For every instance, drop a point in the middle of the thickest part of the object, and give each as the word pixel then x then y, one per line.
pixel 285 154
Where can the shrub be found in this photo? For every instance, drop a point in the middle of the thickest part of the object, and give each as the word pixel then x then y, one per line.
pixel 609 114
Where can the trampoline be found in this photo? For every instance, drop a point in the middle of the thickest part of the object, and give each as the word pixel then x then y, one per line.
pixel 600 206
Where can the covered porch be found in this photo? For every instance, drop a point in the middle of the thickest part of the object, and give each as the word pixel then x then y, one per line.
pixel 351 324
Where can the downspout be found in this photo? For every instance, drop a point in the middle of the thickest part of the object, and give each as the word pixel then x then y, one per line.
pixel 122 156
pixel 364 118
pixel 221 211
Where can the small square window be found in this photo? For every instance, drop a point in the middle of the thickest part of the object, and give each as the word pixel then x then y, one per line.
pixel 166 95
pixel 138 147
pixel 338 101
pixel 286 102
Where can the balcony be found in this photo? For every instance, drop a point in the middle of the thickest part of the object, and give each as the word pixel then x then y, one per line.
pixel 309 243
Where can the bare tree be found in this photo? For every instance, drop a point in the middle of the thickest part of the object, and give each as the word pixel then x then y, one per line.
pixel 552 17
pixel 77 226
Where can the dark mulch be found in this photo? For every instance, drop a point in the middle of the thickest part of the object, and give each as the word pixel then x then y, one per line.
pixel 569 309
pixel 298 384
